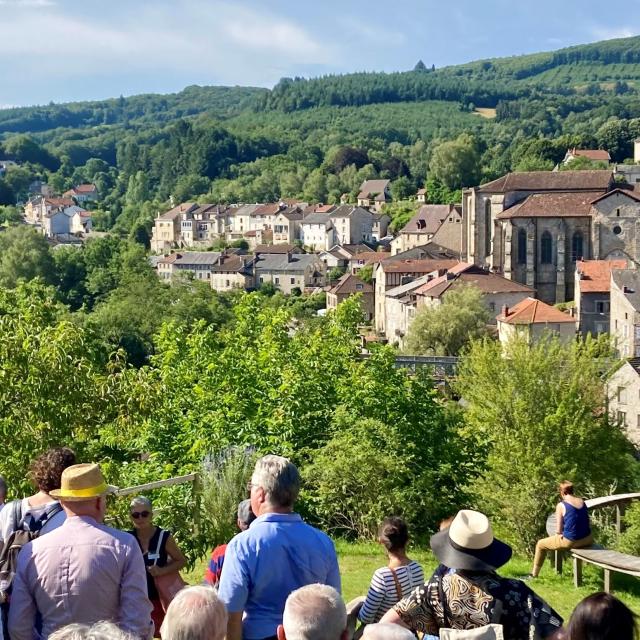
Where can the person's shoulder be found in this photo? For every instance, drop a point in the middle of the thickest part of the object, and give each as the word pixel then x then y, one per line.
pixel 122 537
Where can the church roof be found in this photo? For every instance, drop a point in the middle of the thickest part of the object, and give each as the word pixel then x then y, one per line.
pixel 552 205
pixel 597 180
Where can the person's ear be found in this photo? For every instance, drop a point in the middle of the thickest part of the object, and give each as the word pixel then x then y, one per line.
pixel 280 633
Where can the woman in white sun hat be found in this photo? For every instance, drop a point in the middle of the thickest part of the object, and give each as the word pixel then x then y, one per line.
pixel 465 592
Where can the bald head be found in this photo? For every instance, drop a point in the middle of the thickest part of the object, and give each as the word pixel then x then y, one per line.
pixel 314 612
pixel 196 613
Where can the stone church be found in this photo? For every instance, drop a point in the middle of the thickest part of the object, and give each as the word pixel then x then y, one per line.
pixel 533 226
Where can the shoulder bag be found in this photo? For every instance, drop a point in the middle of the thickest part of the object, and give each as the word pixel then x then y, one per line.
pixel 169 584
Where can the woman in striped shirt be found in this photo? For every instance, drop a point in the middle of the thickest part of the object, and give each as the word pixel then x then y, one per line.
pixel 401 575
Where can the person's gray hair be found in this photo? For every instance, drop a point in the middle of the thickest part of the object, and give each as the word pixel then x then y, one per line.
pixel 314 612
pixel 196 613
pixel 387 631
pixel 142 501
pixel 102 630
pixel 279 478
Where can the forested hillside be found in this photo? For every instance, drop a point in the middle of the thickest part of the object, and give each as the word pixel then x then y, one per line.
pixel 320 138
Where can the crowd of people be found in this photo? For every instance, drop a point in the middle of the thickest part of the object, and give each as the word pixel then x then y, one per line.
pixel 65 575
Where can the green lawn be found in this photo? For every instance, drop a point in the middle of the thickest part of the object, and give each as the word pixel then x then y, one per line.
pixel 359 561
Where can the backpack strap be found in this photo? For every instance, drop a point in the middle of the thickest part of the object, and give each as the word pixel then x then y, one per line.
pixel 394 575
pixel 443 600
pixel 159 545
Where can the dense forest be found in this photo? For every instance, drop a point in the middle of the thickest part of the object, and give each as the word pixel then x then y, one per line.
pixel 319 138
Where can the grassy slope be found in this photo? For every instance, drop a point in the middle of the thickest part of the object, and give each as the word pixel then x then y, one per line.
pixel 359 561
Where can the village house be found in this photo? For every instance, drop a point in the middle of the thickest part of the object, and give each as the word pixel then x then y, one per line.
pixel 534 319
pixel 497 291
pixel 396 271
pixel 623 391
pixel 379 226
pixel 81 222
pixel 290 271
pixel 317 232
pixel 39 206
pixel 286 225
pixel 593 284
pixel 595 155
pixel 533 226
pixel 64 221
pixel 438 223
pixel 352 224
pixel 365 258
pixel 421 195
pixel 239 221
pixel 374 194
pixel 336 257
pixel 187 264
pixel 624 311
pixel 83 193
pixel 233 271
pixel 166 232
pixel 350 285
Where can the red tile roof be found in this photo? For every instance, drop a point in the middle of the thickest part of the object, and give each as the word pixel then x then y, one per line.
pixel 531 311
pixel 349 284
pixel 596 274
pixel 416 266
pixel 592 154
pixel 552 205
pixel 371 257
pixel 597 180
pixel 470 274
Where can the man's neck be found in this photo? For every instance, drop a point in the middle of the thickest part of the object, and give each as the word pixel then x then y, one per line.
pixel 281 510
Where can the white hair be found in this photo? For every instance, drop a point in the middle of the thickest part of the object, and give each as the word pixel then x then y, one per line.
pixel 314 612
pixel 387 631
pixel 279 478
pixel 102 630
pixel 196 613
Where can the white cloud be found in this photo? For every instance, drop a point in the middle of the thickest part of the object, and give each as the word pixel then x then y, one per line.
pixel 609 33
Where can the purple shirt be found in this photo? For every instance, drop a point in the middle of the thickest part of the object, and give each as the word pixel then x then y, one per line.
pixel 81 572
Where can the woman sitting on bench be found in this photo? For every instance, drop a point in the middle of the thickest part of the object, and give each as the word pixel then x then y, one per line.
pixel 572 527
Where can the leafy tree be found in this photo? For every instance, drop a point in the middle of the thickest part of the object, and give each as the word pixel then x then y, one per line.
pixel 456 163
pixel 7 196
pixel 402 188
pixel 583 164
pixel 538 411
pixel 10 215
pixel 420 66
pixel 24 255
pixel 345 156
pixel 449 327
pixel 335 274
pixel 366 273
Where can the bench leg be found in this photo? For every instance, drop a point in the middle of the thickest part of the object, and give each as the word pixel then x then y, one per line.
pixel 607 581
pixel 577 572
pixel 558 561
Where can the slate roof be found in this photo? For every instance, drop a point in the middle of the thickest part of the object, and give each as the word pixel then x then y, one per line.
pixel 631 192
pixel 597 180
pixel 532 311
pixel 596 274
pixel 628 281
pixel 277 248
pixel 316 218
pixel 470 274
pixel 282 264
pixel 349 284
pixel 429 250
pixel 186 258
pixel 174 213
pixel 234 264
pixel 345 210
pixel 404 289
pixel 552 205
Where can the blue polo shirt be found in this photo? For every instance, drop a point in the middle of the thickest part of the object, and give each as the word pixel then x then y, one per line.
pixel 278 554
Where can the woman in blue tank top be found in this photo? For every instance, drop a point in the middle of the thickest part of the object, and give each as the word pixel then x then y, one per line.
pixel 572 527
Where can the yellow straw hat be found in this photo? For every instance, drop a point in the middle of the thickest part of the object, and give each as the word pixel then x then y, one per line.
pixel 82 482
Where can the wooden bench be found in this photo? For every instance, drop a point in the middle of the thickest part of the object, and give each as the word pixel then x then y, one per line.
pixel 610 561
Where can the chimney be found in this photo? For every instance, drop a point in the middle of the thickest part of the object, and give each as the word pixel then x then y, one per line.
pixel 505 311
pixel 450 276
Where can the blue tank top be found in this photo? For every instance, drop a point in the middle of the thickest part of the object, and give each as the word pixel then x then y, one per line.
pixel 576 522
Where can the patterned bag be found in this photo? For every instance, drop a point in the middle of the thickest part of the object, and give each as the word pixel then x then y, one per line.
pixel 488 632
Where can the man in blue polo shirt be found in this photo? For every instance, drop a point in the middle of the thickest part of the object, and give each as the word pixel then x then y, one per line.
pixel 278 554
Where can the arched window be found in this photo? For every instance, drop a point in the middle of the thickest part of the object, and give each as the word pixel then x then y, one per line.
pixel 546 248
pixel 522 246
pixel 487 227
pixel 576 247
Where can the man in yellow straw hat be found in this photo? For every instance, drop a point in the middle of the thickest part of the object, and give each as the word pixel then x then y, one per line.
pixel 83 571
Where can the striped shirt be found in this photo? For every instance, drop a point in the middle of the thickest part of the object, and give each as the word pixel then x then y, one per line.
pixel 383 594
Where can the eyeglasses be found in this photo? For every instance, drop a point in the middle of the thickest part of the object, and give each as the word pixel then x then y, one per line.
pixel 250 486
pixel 140 514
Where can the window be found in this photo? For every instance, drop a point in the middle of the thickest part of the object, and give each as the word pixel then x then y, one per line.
pixel 492 306
pixel 227 283
pixel 576 247
pixel 522 246
pixel 622 418
pixel 261 279
pixel 617 213
pixel 602 306
pixel 546 248
pixel 621 395
pixel 359 287
pixel 277 280
pixel 293 280
pixel 487 227
pixel 638 420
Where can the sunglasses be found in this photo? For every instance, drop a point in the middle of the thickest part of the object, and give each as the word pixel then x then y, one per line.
pixel 140 514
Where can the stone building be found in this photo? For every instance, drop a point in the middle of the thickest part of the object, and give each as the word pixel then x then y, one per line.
pixel 625 311
pixel 533 226
pixel 623 391
pixel 350 285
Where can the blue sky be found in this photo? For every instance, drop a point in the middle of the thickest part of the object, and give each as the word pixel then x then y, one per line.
pixel 64 50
